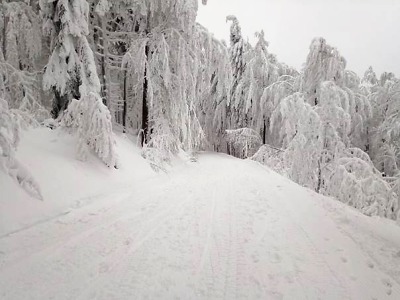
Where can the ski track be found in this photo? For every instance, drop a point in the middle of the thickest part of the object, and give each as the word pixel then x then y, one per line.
pixel 218 229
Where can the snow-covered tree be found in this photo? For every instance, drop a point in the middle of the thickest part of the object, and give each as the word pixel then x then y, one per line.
pixel 286 84
pixel 70 71
pixel 271 156
pixel 386 147
pixel 260 73
pixel 20 55
pixel 22 39
pixel 324 63
pixel 213 85
pixel 9 139
pixel 167 65
pixel 333 108
pixel 239 54
pixel 113 24
pixel 356 182
pixel 237 50
pixel 243 142
pixel 369 77
pixel 319 128
pixel 92 120
pixel 301 133
pixel 360 110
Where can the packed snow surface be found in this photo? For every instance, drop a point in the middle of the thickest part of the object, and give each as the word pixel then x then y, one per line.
pixel 218 228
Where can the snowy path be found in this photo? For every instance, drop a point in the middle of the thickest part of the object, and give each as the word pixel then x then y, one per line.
pixel 218 229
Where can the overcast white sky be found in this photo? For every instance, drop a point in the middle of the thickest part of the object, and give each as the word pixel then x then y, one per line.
pixel 366 32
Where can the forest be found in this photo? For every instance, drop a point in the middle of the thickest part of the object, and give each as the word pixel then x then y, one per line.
pixel 148 69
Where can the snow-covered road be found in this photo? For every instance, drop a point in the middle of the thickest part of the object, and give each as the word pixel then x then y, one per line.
pixel 220 228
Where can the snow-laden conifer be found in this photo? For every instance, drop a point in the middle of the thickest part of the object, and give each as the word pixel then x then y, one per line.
pixel 92 121
pixel 71 72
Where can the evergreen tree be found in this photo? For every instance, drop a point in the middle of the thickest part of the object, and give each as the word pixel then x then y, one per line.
pixel 237 52
pixel 71 71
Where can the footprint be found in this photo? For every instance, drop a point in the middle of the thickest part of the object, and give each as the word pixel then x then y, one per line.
pixel 388 284
pixel 344 259
pixel 370 265
pixel 386 281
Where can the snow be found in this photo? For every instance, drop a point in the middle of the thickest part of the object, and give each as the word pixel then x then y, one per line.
pixel 218 228
pixel 50 156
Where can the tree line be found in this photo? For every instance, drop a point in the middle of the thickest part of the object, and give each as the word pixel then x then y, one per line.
pixel 148 68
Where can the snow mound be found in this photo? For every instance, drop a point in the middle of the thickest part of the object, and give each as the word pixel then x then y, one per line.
pixel 66 183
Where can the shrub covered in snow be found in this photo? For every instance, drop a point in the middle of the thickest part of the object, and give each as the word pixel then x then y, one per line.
pixel 243 142
pixel 92 120
pixel 272 157
pixel 355 181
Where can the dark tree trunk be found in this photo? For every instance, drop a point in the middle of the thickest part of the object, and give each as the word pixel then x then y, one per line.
pixel 264 133
pixel 99 42
pixel 125 95
pixel 60 103
pixel 103 78
pixel 145 109
pixel 103 51
pixel 4 36
pixel 319 183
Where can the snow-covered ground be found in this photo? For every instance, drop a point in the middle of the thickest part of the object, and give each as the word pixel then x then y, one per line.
pixel 219 228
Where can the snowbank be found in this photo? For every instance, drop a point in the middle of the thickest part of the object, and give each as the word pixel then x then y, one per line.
pixel 66 183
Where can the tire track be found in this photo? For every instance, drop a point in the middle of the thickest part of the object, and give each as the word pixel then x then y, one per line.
pixel 150 228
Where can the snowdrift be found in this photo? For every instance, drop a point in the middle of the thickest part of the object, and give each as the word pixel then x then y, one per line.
pixel 66 183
